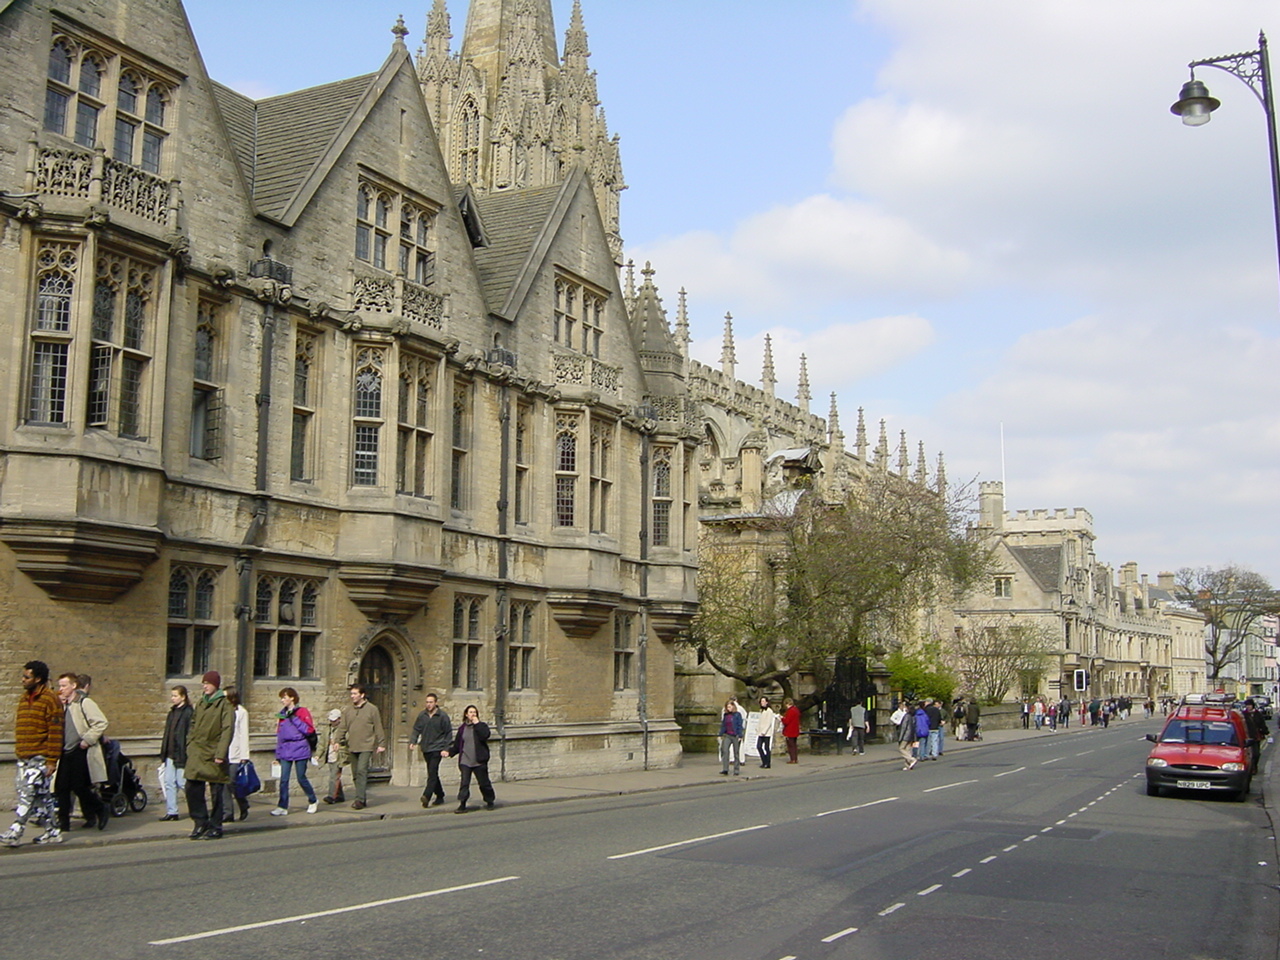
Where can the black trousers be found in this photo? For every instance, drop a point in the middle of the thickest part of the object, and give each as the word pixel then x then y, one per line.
pixel 196 806
pixel 73 777
pixel 434 787
pixel 482 778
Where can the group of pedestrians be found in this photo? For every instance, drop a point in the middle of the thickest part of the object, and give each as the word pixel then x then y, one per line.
pixel 1045 714
pixel 205 754
pixel 58 738
pixel 919 731
pixel 733 728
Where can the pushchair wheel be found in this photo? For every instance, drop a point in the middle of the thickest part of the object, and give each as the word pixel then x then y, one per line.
pixel 138 802
pixel 119 805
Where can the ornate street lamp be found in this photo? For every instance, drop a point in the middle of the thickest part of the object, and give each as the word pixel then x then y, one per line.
pixel 1195 105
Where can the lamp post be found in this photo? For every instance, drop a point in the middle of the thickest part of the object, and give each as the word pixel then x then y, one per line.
pixel 1195 105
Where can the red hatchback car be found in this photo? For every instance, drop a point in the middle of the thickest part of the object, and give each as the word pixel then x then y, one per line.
pixel 1202 747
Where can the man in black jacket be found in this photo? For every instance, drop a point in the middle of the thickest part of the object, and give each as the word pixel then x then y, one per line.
pixel 433 732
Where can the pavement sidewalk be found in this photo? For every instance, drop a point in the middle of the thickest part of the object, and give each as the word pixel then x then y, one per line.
pixel 393 802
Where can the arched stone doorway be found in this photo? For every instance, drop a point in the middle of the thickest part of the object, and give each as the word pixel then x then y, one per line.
pixel 378 674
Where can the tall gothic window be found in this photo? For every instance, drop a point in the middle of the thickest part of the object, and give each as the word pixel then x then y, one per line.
pixel 414 434
pixel 417 262
pixel 206 390
pixel 460 437
pixel 468 138
pixel 521 647
pixel 286 637
pixel 624 650
pixel 57 268
pixel 368 415
pixel 601 475
pixel 662 497
pixel 192 627
pixel 121 332
pixel 306 350
pixel 566 469
pixel 523 453
pixel 468 646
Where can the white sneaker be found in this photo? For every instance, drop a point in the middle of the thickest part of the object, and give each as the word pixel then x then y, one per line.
pixel 312 807
pixel 280 812
pixel 50 836
pixel 11 837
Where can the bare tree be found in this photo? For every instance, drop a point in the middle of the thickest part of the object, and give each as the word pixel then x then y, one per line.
pixel 1231 598
pixel 995 653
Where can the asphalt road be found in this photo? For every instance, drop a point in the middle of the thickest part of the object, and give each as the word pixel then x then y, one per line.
pixel 1043 846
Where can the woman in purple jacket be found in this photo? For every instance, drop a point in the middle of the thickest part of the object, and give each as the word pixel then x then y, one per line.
pixel 294 733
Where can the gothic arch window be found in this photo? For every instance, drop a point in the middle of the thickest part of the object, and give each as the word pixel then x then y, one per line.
pixel 286 636
pixel 468 142
pixel 57 264
pixel 81 100
pixel 414 427
pixel 192 628
pixel 662 497
pixel 368 418
pixel 566 469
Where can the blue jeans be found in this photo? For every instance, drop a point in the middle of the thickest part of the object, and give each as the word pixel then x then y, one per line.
pixel 935 743
pixel 172 782
pixel 300 769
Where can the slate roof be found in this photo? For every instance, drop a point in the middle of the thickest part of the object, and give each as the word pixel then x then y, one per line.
pixel 280 140
pixel 1043 563
pixel 514 220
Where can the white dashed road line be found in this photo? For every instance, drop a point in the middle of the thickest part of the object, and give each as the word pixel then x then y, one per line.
pixel 328 913
pixel 1007 772
pixel 859 806
pixel 888 910
pixel 928 890
pixel 948 786
pixel 963 872
pixel 843 933
pixel 681 843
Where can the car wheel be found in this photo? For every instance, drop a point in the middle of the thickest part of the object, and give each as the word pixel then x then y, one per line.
pixel 1154 791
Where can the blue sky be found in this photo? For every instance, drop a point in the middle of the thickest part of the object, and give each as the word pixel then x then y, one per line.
pixel 965 214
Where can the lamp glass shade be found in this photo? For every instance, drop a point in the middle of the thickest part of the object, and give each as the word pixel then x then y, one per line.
pixel 1194 104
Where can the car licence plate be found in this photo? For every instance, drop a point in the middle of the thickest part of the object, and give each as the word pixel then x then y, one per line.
pixel 1194 785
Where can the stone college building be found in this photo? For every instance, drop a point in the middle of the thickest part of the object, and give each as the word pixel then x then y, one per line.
pixel 350 384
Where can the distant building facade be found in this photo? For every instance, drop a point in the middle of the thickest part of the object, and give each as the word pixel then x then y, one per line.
pixel 1124 635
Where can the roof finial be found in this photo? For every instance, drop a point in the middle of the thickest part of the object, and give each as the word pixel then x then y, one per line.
pixel 629 290
pixel 728 356
pixel 682 323
pixel 802 388
pixel 576 51
pixel 768 378
pixel 882 448
pixel 940 481
pixel 400 31
pixel 904 460
pixel 861 436
pixel 834 433
pixel 922 468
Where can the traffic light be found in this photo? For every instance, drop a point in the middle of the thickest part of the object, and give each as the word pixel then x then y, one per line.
pixel 1081 680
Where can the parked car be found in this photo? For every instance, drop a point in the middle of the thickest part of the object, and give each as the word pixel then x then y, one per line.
pixel 1202 747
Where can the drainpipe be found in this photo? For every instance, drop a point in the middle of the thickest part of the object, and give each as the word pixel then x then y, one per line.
pixel 646 412
pixel 269 281
pixel 504 598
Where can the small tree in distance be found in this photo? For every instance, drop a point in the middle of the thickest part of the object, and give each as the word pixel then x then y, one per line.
pixel 1231 598
pixel 996 653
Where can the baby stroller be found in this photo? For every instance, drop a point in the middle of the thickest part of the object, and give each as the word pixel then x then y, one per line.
pixel 123 790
